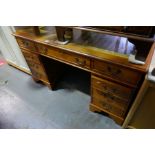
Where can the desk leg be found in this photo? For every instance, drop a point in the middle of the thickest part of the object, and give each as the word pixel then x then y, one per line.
pixel 35 79
pixel 51 87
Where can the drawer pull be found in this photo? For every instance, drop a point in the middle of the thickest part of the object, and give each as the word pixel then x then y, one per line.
pixel 25 43
pixel 62 52
pixel 105 87
pixel 44 50
pixel 80 62
pixel 106 106
pixel 106 95
pixel 113 71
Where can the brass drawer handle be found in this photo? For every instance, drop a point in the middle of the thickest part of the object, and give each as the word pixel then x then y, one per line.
pixel 44 50
pixel 108 95
pixel 25 43
pixel 113 71
pixel 122 113
pixel 80 62
pixel 106 106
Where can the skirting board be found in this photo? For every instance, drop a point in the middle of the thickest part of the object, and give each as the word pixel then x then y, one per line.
pixel 19 68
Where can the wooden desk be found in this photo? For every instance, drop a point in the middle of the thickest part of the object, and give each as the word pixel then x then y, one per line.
pixel 114 81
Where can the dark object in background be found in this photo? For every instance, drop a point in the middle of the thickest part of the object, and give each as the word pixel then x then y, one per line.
pixel 153 72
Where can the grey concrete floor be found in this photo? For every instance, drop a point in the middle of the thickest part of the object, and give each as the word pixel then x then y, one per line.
pixel 25 104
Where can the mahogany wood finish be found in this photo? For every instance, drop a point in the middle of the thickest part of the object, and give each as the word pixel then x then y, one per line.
pixel 114 80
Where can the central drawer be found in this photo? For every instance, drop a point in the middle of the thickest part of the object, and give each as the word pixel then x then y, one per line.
pixel 66 56
pixel 116 72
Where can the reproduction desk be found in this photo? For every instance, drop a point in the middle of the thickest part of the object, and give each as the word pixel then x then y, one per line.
pixel 115 81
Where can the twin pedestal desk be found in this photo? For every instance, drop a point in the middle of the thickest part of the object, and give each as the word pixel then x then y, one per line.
pixel 114 80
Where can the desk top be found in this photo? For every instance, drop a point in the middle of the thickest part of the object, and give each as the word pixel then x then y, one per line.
pixel 94 49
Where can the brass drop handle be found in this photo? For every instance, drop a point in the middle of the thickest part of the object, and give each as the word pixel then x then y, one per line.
pixel 113 71
pixel 102 93
pixel 61 51
pixel 105 105
pixel 107 95
pixel 26 43
pixel 44 50
pixel 122 113
pixel 80 62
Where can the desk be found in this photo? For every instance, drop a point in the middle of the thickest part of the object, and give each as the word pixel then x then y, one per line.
pixel 114 81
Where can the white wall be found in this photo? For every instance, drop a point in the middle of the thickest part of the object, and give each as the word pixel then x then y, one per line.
pixel 10 49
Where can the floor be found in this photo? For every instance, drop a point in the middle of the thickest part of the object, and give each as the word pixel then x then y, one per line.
pixel 25 104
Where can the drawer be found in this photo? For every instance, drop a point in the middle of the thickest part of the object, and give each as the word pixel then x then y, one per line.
pixel 107 86
pixel 108 107
pixel 36 67
pixel 23 43
pixel 109 98
pixel 76 59
pixel 31 56
pixel 118 73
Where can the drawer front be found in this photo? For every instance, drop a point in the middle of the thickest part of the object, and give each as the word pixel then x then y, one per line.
pixel 107 86
pixel 116 72
pixel 109 98
pixel 65 56
pixel 36 67
pixel 77 60
pixel 26 44
pixel 31 56
pixel 109 107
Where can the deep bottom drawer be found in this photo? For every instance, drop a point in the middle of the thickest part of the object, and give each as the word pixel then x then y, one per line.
pixel 107 106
